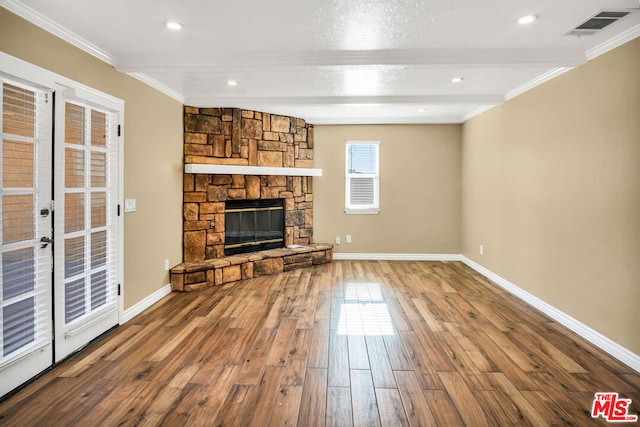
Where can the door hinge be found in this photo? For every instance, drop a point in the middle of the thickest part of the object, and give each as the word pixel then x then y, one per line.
pixel 118 209
pixel 118 288
pixel 53 205
pixel 119 130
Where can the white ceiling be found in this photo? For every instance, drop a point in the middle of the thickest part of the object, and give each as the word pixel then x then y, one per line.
pixel 338 61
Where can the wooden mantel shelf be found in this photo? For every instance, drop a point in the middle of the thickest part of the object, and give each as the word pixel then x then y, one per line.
pixel 249 170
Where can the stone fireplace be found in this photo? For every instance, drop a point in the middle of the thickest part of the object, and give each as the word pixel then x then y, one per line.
pixel 233 138
pixel 230 136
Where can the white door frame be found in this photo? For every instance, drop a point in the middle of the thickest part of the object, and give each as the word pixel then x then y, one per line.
pixel 39 77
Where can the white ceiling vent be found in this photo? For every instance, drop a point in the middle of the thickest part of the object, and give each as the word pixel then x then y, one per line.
pixel 597 22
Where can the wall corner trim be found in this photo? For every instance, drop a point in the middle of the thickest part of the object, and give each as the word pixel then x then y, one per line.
pixel 611 347
pixel 147 302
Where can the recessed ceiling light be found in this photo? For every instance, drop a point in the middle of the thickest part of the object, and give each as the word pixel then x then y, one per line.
pixel 173 25
pixel 232 83
pixel 422 110
pixel 527 19
pixel 456 80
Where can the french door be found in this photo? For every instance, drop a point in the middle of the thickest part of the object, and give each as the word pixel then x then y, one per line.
pixel 86 223
pixel 60 232
pixel 25 294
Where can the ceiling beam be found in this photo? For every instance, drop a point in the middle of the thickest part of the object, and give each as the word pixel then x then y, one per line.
pixel 354 58
pixel 383 120
pixel 205 101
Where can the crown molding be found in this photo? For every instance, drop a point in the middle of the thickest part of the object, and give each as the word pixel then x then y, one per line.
pixel 70 37
pixel 476 112
pixel 542 78
pixel 614 42
pixel 158 86
pixel 396 58
pixel 56 29
pixel 592 53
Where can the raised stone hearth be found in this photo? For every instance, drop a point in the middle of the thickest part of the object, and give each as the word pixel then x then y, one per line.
pixel 235 137
pixel 193 276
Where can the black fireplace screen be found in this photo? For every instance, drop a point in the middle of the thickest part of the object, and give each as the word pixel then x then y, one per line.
pixel 253 225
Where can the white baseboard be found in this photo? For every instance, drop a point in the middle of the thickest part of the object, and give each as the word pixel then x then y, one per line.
pixel 614 349
pixel 396 257
pixel 596 338
pixel 141 306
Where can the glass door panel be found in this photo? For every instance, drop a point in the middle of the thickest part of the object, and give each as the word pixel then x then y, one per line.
pixel 86 274
pixel 25 262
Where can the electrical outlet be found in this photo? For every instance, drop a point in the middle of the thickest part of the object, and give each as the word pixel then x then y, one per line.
pixel 348 238
pixel 166 265
pixel 481 250
pixel 337 240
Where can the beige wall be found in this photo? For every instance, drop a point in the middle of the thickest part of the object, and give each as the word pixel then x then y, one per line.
pixel 551 188
pixel 419 189
pixel 152 154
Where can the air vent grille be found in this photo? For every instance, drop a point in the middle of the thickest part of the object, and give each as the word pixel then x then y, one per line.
pixel 614 15
pixel 597 22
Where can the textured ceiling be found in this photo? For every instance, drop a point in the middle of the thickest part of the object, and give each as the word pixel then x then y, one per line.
pixel 339 61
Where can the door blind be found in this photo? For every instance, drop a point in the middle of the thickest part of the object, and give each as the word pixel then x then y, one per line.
pixel 90 200
pixel 25 268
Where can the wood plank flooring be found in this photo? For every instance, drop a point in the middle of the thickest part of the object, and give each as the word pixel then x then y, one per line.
pixel 364 343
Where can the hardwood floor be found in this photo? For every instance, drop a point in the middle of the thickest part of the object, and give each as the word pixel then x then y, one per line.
pixel 348 343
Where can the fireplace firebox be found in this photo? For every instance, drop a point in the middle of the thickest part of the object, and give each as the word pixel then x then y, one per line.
pixel 253 225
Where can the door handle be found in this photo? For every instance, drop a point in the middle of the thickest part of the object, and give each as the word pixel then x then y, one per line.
pixel 44 212
pixel 45 241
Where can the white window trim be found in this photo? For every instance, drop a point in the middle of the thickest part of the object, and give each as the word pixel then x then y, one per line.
pixel 369 210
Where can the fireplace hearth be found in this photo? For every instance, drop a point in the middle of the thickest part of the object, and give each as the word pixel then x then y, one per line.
pixel 253 225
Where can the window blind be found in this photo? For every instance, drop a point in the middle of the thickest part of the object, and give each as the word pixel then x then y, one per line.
pixel 90 198
pixel 25 126
pixel 362 176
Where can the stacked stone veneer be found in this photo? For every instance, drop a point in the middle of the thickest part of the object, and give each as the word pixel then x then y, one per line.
pixel 231 136
pixel 239 137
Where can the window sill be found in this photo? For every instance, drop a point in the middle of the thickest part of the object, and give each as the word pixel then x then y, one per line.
pixel 362 211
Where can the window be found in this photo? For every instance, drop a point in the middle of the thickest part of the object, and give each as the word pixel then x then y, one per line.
pixel 362 177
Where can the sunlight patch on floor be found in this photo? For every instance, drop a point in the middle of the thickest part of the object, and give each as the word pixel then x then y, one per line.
pixel 364 311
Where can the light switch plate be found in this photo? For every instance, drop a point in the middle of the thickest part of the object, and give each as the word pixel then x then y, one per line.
pixel 129 205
